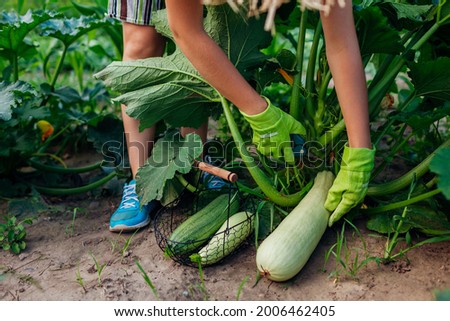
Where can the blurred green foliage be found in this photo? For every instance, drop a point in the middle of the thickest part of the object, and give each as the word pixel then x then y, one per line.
pixel 22 6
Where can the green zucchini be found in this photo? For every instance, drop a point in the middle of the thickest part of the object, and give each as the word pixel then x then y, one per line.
pixel 231 234
pixel 201 226
pixel 287 249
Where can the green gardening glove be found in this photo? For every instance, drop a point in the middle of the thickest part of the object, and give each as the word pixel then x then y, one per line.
pixel 351 183
pixel 271 132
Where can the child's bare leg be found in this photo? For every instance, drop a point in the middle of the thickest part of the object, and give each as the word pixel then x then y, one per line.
pixel 139 42
pixel 201 131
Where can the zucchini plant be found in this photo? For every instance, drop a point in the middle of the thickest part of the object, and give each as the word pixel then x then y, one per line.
pixel 399 51
pixel 41 114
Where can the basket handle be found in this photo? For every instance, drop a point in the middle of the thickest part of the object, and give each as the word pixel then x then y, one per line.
pixel 217 171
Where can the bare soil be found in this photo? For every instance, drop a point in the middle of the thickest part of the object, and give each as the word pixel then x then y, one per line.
pixel 59 264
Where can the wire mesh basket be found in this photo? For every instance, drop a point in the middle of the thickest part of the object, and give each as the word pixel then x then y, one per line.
pixel 225 240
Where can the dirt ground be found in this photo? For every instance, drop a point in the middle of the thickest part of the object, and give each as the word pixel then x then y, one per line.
pixel 75 257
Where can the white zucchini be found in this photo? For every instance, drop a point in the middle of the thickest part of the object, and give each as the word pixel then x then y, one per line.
pixel 228 238
pixel 287 249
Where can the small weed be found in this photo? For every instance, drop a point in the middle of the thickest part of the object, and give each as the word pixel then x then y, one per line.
pixel 114 242
pixel 127 244
pixel 202 283
pixel 99 268
pixel 241 286
pixel 13 233
pixel 393 242
pixel 201 287
pixel 348 260
pixel 80 279
pixel 70 228
pixel 147 280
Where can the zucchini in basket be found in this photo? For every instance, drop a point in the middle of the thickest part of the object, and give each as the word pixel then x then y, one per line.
pixel 231 234
pixel 198 228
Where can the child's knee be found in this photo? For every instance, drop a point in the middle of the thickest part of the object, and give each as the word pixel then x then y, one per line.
pixel 142 42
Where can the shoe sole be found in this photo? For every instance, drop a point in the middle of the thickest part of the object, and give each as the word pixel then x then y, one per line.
pixel 128 228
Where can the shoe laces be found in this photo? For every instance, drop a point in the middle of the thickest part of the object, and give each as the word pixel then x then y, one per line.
pixel 129 198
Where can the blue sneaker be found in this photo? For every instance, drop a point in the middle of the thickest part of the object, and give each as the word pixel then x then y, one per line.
pixel 211 181
pixel 130 216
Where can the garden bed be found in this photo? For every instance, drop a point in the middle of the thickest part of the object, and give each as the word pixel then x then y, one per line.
pixel 59 264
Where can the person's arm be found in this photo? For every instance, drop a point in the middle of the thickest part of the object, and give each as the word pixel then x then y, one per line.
pixel 271 126
pixel 344 59
pixel 186 23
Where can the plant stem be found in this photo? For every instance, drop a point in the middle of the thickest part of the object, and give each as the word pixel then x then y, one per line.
pixel 432 182
pixel 53 137
pixel 245 189
pixel 330 135
pixel 380 84
pixel 260 178
pixel 393 206
pixel 426 36
pixel 318 117
pixel 296 109
pixel 391 121
pixel 399 144
pixel 389 74
pixel 59 67
pixel 63 170
pixel 309 83
pixel 75 190
pixel 392 243
pixel 405 180
pixel 442 238
pixel 191 188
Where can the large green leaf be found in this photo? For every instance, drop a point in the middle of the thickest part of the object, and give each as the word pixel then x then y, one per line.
pixel 69 30
pixel 375 34
pixel 157 89
pixel 89 10
pixel 170 88
pixel 432 78
pixel 14 28
pixel 11 95
pixel 171 154
pixel 241 39
pixel 443 15
pixel 439 165
pixel 106 136
pixel 405 15
pixel 419 217
pixel 422 120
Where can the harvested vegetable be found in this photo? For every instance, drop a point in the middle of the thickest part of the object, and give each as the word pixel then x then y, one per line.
pixel 287 249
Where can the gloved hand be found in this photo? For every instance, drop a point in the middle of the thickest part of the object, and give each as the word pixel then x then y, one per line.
pixel 351 183
pixel 271 132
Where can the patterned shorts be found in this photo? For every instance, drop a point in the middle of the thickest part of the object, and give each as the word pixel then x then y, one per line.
pixel 134 11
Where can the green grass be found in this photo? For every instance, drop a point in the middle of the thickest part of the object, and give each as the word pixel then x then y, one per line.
pixel 348 260
pixel 99 268
pixel 241 286
pixel 147 279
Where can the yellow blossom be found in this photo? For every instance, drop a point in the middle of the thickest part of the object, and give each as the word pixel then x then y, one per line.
pixel 46 129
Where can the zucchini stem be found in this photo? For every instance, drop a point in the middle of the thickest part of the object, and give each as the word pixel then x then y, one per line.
pixel 296 109
pixel 405 180
pixel 409 201
pixel 63 170
pixel 260 178
pixel 75 190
